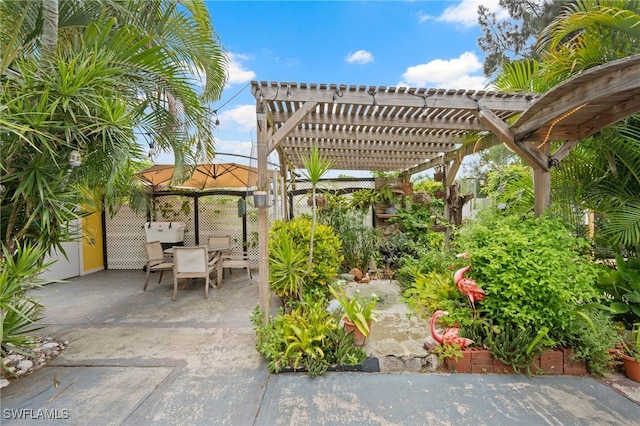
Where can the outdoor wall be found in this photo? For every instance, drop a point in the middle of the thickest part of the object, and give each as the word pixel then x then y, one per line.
pixel 92 251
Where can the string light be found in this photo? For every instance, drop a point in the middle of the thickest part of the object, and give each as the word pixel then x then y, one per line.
pixel 375 103
pixel 336 94
pixel 425 108
pixel 559 119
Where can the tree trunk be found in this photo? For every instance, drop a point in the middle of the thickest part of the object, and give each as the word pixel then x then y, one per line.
pixel 49 28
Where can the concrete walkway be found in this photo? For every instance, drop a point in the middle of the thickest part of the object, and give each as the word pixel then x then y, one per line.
pixel 138 358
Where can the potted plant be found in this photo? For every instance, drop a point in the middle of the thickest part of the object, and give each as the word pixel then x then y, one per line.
pixel 358 314
pixel 631 353
pixel 363 199
pixel 387 197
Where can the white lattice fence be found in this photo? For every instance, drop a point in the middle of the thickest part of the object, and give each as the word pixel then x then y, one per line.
pixel 218 215
pixel 125 238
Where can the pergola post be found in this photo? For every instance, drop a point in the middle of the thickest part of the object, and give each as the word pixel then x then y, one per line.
pixel 450 172
pixel 263 217
pixel 541 185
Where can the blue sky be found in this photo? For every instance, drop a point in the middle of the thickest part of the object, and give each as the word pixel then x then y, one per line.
pixel 430 44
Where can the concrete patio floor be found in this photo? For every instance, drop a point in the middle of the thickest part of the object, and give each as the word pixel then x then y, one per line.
pixel 137 358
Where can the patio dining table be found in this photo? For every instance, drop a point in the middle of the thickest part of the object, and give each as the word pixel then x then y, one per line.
pixel 212 249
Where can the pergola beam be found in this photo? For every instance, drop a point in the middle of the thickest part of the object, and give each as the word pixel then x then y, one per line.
pixel 289 125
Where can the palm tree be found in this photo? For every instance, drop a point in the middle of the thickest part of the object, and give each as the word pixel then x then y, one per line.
pixel 117 70
pixel 603 173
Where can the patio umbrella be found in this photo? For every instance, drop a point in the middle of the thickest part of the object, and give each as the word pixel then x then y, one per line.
pixel 205 176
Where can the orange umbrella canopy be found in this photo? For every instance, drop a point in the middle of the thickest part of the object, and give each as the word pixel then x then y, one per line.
pixel 204 176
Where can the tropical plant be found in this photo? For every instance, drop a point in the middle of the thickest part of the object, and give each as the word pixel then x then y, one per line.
pixel 308 337
pixel 601 173
pixel 359 241
pixel 286 266
pixel 19 310
pixel 631 344
pixel 517 347
pixel 510 188
pixel 620 284
pixel 327 253
pixel 105 72
pixel 363 198
pixel 315 167
pixel 357 309
pixel 591 337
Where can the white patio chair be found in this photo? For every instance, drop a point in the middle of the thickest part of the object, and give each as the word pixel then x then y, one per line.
pixel 155 261
pixel 233 261
pixel 192 262
pixel 228 259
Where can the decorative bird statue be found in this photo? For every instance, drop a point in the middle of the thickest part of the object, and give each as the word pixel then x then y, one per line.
pixel 468 287
pixel 450 335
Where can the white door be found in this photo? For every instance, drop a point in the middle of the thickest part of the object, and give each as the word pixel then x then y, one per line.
pixel 64 268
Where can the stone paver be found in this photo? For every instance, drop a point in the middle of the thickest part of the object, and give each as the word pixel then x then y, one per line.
pixel 138 358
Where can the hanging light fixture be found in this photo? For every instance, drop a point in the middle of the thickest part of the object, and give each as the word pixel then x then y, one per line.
pixel 75 159
pixel 288 91
pixel 217 122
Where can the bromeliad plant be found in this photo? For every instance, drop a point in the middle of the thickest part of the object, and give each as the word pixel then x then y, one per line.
pixel 357 309
pixel 308 337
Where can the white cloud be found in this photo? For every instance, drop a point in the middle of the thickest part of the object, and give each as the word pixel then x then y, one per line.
pixel 236 72
pixel 465 13
pixel 359 57
pixel 233 147
pixel 244 116
pixel 456 73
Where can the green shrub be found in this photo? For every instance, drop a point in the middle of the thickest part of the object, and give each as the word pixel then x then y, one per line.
pixel 433 291
pixel 590 338
pixel 533 271
pixel 359 241
pixel 326 252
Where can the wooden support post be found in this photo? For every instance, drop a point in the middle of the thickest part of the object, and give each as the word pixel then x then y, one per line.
pixel 263 217
pixel 541 186
pixel 447 207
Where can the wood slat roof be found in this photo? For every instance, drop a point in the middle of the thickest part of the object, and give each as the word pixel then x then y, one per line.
pixel 382 128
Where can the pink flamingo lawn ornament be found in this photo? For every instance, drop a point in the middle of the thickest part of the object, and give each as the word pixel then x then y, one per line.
pixel 450 335
pixel 468 287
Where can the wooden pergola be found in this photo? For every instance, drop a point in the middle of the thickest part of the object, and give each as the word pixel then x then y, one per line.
pixel 410 130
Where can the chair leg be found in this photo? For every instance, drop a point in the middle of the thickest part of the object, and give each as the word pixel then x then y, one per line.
pixel 219 276
pixel 146 279
pixel 175 288
pixel 160 279
pixel 206 287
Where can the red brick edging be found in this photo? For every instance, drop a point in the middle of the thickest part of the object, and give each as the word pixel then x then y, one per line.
pixel 480 361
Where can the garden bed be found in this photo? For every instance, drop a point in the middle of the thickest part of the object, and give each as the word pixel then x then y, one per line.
pixel 369 365
pixel 480 361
